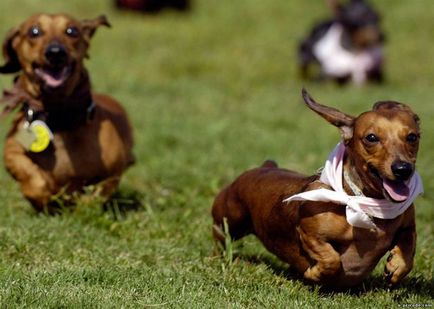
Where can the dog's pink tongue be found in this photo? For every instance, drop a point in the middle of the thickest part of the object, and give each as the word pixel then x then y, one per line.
pixel 52 81
pixel 398 191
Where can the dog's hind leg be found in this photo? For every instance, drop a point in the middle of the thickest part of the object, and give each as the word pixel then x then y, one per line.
pixel 108 187
pixel 227 207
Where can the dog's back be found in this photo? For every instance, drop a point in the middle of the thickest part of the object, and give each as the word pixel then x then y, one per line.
pixel 112 110
pixel 248 198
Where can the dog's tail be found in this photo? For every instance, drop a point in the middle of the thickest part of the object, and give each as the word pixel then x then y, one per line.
pixel 269 164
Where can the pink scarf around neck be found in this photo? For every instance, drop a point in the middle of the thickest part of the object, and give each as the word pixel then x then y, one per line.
pixel 359 209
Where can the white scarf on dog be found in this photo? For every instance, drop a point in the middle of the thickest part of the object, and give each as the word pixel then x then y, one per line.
pixel 359 209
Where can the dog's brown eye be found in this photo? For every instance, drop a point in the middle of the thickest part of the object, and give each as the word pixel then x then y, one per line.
pixel 72 31
pixel 412 138
pixel 372 138
pixel 34 32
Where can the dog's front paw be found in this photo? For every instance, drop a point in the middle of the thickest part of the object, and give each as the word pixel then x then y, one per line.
pixel 322 273
pixel 396 269
pixel 312 274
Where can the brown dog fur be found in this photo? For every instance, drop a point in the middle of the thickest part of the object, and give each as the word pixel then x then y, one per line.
pixel 314 237
pixel 89 146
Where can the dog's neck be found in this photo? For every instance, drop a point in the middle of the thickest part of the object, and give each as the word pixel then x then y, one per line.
pixel 60 111
pixel 353 183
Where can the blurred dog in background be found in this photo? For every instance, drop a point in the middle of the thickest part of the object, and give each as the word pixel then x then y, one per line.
pixel 64 137
pixel 348 47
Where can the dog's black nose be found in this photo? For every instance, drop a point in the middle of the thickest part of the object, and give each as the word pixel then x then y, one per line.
pixel 56 54
pixel 402 170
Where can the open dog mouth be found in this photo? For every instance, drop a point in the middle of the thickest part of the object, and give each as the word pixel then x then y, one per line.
pixel 396 191
pixel 53 76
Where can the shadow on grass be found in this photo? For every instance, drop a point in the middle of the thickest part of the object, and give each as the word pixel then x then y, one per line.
pixel 122 202
pixel 277 267
pixel 412 285
pixel 409 286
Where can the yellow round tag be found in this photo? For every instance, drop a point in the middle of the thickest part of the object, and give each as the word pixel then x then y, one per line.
pixel 42 134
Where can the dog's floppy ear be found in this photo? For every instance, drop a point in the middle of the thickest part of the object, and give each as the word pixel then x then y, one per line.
pixel 90 25
pixel 343 121
pixel 12 64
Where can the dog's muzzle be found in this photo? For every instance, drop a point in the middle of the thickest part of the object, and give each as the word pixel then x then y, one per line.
pixel 402 170
pixel 57 66
pixel 56 54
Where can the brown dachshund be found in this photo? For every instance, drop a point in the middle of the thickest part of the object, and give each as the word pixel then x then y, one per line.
pixel 334 228
pixel 64 137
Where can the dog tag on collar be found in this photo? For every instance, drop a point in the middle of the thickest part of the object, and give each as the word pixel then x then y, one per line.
pixel 25 137
pixel 43 136
pixel 35 137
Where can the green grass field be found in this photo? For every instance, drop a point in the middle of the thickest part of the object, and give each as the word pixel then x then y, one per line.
pixel 210 94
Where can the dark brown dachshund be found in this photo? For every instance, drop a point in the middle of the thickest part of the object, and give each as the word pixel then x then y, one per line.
pixel 335 227
pixel 64 137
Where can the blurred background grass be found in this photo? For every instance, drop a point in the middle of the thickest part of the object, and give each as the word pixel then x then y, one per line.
pixel 210 94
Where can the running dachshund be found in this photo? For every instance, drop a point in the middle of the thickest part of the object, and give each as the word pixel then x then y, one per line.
pixel 64 137
pixel 333 228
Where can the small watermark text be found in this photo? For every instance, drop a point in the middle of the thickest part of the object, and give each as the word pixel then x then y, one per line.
pixel 415 305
